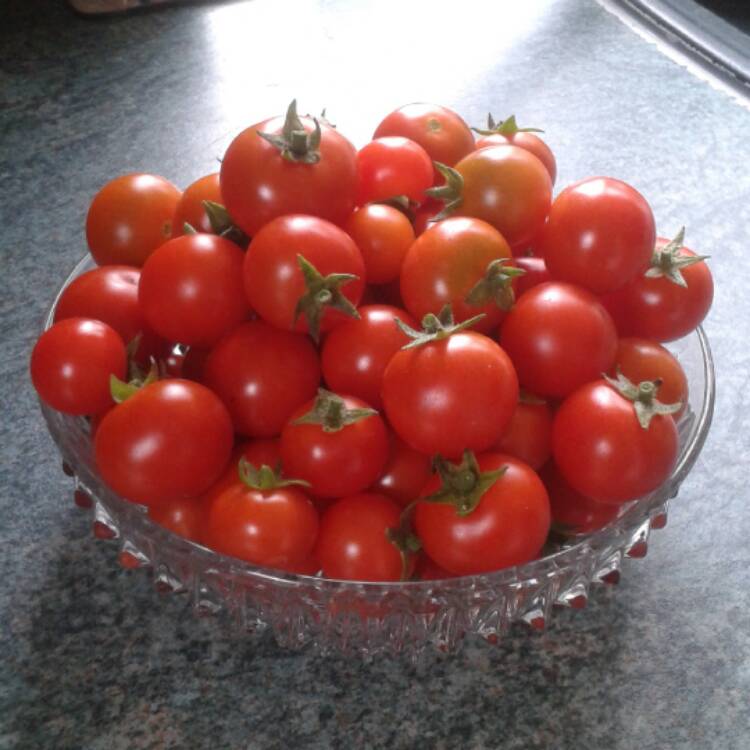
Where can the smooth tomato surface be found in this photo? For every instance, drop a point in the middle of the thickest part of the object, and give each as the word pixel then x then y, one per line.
pixel 405 473
pixel 529 141
pixel 190 209
pixel 450 395
pixel 600 234
pixel 535 273
pixel 508 527
pixel 559 337
pixel 529 434
pixel 352 542
pixel 129 218
pixel 355 354
pixel 184 516
pixel 191 289
pixel 604 453
pixel 72 362
pixel 170 440
pixel 262 374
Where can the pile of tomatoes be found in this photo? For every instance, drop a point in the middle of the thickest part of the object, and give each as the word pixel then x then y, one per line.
pixel 407 361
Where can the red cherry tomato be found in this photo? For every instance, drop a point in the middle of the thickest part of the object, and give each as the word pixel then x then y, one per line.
pixel 447 262
pixel 274 527
pixel 356 353
pixel 559 337
pixel 353 543
pixel 508 526
pixel 383 235
pixel 190 209
pixel 171 439
pixel 274 281
pixel 603 452
pixel 535 273
pixel 529 141
pixel 660 309
pixel 405 474
pixel 642 359
pixel 185 517
pixel 572 512
pixel 390 167
pixel 424 215
pixel 529 434
pixel 129 218
pixel 450 395
pixel 438 130
pixel 72 363
pixel 335 460
pixel 259 183
pixel 262 374
pixel 599 235
pixel 191 289
pixel 110 294
pixel 508 187
pixel 426 569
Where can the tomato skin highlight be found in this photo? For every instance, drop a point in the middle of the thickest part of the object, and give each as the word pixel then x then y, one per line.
pixel 171 439
pixel 536 273
pixel 559 337
pixel 352 543
pixel 600 234
pixel 450 395
pixel 603 452
pixel 529 141
pixel 185 517
pixel 191 289
pixel 258 184
pixel 405 473
pixel 355 354
pixel 129 218
pixel 190 209
pixel 508 527
pixel 262 374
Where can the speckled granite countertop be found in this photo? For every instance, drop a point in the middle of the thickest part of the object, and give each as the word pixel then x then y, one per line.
pixel 91 657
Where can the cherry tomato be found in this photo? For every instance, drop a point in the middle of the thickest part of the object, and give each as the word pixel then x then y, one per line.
pixel 600 234
pixel 191 289
pixel 423 218
pixel 529 434
pixel 184 516
pixel 641 359
pixel 276 527
pixel 72 362
pixel 572 512
pixel 383 235
pixel 438 130
pixel 338 456
pixel 261 181
pixel 110 294
pixel 353 541
pixel 392 166
pixel 505 525
pixel 559 337
pixel 129 218
pixel 405 474
pixel 171 439
pixel 355 354
pixel 660 308
pixel 193 364
pixel 602 450
pixel 262 374
pixel 446 264
pixel 451 394
pixel 275 282
pixel 426 569
pixel 535 273
pixel 508 187
pixel 190 209
pixel 529 141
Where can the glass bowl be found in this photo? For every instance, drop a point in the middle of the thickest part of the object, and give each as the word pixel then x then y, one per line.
pixel 377 618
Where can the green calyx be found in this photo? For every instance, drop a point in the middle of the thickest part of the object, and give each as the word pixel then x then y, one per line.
pixel 400 203
pixel 222 224
pixel 496 285
pixel 121 390
pixel 294 142
pixel 264 477
pixel 332 414
pixel 668 262
pixel 322 292
pixel 435 327
pixel 463 483
pixel 643 396
pixel 504 127
pixel 404 540
pixel 451 193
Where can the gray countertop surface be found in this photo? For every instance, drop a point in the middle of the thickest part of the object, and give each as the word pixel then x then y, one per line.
pixel 91 656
